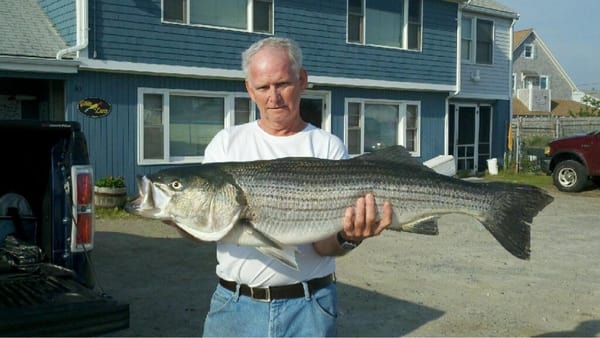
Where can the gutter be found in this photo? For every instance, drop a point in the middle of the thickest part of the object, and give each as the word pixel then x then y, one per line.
pixel 81 9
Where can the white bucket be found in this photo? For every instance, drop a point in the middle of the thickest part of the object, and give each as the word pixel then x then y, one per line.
pixel 492 165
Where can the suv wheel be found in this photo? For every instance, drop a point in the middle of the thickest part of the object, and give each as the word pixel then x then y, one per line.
pixel 569 176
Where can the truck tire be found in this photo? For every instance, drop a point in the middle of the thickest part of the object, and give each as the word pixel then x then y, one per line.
pixel 569 176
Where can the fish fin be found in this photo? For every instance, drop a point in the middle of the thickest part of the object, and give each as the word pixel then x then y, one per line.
pixel 397 154
pixel 270 247
pixel 286 255
pixel 512 212
pixel 423 226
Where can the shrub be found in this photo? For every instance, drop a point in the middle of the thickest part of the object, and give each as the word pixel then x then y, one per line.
pixel 111 182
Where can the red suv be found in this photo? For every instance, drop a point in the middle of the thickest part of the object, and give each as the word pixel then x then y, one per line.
pixel 573 161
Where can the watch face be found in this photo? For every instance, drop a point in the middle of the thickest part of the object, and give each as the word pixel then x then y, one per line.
pixel 346 245
pixel 349 246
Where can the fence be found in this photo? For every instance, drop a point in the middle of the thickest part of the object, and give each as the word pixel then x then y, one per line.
pixel 529 135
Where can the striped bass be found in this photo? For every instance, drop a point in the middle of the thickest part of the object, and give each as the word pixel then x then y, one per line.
pixel 275 205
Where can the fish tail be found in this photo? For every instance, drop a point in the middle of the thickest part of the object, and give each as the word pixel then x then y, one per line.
pixel 512 212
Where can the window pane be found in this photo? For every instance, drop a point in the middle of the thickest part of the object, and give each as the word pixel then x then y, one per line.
pixel 484 41
pixel 193 123
pixel 384 22
pixel 225 13
pixel 412 112
pixel 355 21
pixel 466 42
pixel 354 28
pixel 354 129
pixel 381 126
pixel 174 10
pixel 263 15
pixel 414 24
pixel 153 127
pixel 543 82
pixel 242 110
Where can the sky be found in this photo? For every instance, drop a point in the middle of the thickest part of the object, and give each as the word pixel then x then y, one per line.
pixel 570 29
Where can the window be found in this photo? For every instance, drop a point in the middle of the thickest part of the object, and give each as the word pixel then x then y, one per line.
pixel 466 38
pixel 176 126
pixel 536 81
pixel 544 82
pixel 528 51
pixel 477 40
pixel 247 15
pixel 385 23
pixel 371 125
pixel 485 41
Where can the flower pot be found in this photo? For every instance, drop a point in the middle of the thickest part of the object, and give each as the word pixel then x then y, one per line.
pixel 109 197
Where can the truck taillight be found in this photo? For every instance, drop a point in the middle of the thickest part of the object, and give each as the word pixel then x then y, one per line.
pixel 82 231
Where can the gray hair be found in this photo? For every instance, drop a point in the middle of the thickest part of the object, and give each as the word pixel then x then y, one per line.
pixel 290 46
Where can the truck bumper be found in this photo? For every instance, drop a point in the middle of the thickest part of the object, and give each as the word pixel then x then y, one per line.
pixel 545 164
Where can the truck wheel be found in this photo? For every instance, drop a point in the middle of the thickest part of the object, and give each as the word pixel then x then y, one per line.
pixel 569 176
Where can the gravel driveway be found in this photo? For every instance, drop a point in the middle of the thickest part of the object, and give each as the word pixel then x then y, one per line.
pixel 460 283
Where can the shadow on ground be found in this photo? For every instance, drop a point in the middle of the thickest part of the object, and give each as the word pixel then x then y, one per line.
pixel 168 283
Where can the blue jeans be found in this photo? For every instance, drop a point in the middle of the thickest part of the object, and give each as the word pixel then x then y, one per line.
pixel 232 315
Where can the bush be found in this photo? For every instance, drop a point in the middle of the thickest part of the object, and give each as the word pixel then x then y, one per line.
pixel 111 182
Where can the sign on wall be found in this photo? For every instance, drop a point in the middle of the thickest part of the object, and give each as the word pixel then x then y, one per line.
pixel 94 107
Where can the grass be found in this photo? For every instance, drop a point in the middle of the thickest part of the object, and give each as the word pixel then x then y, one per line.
pixel 539 180
pixel 111 213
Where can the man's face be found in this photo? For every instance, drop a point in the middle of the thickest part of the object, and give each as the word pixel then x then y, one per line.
pixel 275 88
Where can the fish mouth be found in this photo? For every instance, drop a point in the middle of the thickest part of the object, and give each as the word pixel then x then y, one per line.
pixel 145 204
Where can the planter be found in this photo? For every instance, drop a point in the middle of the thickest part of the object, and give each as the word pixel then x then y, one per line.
pixel 109 197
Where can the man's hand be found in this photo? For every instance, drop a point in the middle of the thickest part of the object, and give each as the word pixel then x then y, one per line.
pixel 361 221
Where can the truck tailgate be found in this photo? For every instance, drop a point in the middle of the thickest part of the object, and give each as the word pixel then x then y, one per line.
pixel 50 302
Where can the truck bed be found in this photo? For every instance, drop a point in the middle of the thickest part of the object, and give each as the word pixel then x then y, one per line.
pixel 47 301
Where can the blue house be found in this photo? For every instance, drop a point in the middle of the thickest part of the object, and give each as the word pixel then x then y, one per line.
pixel 152 81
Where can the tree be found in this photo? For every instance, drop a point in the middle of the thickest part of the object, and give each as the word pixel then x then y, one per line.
pixel 591 108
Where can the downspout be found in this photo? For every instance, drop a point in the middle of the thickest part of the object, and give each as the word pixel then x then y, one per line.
pixel 458 72
pixel 510 98
pixel 81 9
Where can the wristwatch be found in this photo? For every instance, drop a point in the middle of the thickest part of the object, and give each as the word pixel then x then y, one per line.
pixel 346 244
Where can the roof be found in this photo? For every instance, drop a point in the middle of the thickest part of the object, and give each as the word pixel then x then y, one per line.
pixel 520 36
pixel 558 108
pixel 491 7
pixel 26 31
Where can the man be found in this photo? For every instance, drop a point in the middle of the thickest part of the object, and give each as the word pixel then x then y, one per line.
pixel 257 295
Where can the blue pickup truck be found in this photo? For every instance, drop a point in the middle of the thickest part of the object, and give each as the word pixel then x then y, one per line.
pixel 47 281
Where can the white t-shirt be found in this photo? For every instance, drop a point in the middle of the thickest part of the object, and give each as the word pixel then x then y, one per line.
pixel 248 142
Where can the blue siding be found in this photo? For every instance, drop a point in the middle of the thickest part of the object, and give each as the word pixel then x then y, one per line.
pixel 128 30
pixel 62 14
pixel 495 78
pixel 112 139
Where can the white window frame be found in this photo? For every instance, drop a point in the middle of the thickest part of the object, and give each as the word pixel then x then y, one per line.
pixel 186 20
pixel 229 120
pixel 529 51
pixel 405 28
pixel 472 56
pixel 401 104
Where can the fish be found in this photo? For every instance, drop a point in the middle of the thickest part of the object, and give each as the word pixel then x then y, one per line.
pixel 276 205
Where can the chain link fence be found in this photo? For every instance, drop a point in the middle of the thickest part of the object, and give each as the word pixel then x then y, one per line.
pixel 529 135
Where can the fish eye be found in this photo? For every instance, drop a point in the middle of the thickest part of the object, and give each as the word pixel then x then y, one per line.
pixel 176 185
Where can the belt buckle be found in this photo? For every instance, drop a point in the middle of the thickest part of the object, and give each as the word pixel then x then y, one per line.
pixel 267 294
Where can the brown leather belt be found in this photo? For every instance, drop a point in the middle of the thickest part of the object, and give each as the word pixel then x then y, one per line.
pixel 278 292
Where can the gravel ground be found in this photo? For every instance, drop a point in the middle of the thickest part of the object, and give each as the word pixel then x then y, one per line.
pixel 460 283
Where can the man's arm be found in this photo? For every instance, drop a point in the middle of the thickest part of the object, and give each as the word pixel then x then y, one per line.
pixel 360 223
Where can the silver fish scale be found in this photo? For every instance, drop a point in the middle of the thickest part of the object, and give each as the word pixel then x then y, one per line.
pixel 306 200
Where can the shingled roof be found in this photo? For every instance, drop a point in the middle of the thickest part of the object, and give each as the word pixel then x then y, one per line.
pixel 520 36
pixel 26 31
pixel 557 108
